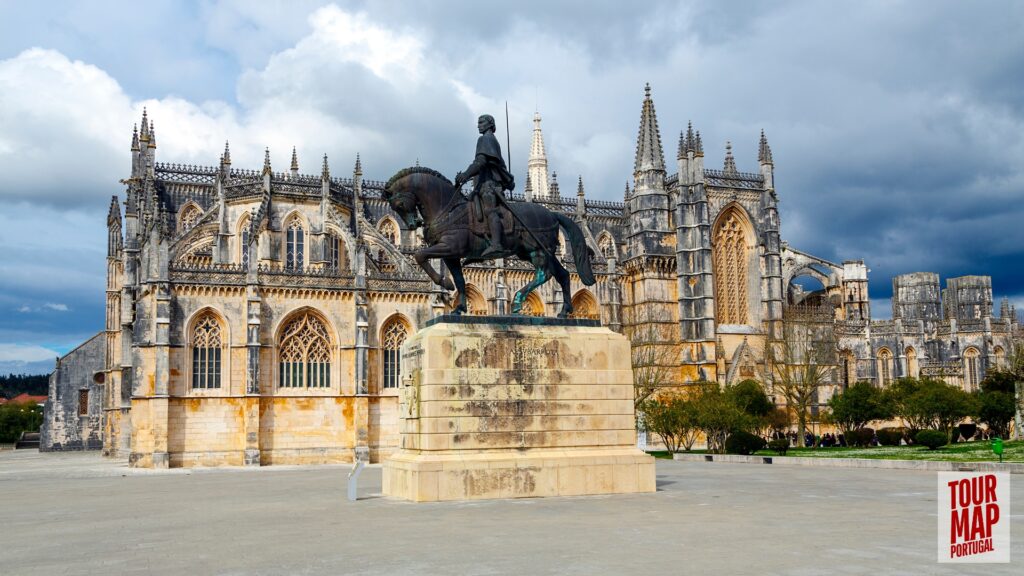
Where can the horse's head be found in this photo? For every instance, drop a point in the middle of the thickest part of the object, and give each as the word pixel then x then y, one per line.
pixel 403 201
pixel 417 190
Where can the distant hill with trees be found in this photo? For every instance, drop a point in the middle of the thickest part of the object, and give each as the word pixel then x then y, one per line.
pixel 34 384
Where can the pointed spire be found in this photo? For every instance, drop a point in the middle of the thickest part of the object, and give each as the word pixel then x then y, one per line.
pixel 1004 308
pixel 626 194
pixel 144 135
pixel 152 135
pixel 649 155
pixel 225 158
pixel 579 187
pixel 764 151
pixel 537 165
pixel 325 172
pixel 528 190
pixel 681 150
pixel 730 162
pixel 135 137
pixel 698 145
pixel 295 160
pixel 359 166
pixel 266 161
pixel 553 188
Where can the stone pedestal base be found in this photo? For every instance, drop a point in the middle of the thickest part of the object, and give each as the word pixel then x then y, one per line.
pixel 540 473
pixel 494 410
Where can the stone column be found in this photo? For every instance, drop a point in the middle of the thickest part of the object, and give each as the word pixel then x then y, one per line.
pixel 251 423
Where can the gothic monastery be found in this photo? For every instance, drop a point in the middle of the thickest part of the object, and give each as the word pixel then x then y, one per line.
pixel 255 316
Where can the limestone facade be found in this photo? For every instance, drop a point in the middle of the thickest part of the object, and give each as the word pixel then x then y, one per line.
pixel 254 316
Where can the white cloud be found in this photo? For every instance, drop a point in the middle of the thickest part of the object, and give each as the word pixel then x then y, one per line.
pixel 56 307
pixel 25 353
pixel 24 309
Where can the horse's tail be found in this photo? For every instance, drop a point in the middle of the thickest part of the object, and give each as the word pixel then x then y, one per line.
pixel 581 253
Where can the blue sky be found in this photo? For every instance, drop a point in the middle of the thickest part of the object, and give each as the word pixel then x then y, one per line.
pixel 896 127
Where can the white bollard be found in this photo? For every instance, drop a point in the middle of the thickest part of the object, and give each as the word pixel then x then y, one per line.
pixel 362 455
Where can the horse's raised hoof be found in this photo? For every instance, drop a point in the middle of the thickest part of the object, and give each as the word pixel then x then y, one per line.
pixel 447 284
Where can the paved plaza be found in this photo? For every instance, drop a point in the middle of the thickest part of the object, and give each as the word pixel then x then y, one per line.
pixel 77 513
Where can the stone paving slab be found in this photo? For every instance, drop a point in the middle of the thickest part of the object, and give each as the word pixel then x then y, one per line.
pixel 81 514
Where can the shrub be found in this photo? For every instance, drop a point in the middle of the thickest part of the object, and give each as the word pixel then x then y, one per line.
pixel 860 437
pixel 968 430
pixel 890 436
pixel 779 446
pixel 740 442
pixel 931 438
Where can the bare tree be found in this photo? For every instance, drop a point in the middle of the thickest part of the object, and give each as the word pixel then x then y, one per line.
pixel 654 364
pixel 802 362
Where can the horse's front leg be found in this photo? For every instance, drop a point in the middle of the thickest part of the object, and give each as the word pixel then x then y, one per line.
pixel 423 257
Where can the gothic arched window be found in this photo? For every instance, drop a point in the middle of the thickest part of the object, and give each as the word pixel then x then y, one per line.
pixel 885 366
pixel 972 374
pixel 243 241
pixel 606 245
pixel 334 251
pixel 1000 354
pixel 295 245
pixel 188 217
pixel 729 259
pixel 388 230
pixel 392 336
pixel 305 350
pixel 584 305
pixel 206 347
pixel 912 367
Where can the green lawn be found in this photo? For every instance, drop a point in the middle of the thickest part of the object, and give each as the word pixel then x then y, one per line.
pixel 963 452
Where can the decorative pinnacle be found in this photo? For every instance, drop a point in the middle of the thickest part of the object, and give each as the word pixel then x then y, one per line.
pixel 764 151
pixel 698 146
pixel 295 160
pixel 227 154
pixel 152 135
pixel 325 172
pixel 135 137
pixel 266 161
pixel 730 162
pixel 359 166
pixel 681 150
pixel 649 155
pixel 579 187
pixel 554 186
pixel 144 135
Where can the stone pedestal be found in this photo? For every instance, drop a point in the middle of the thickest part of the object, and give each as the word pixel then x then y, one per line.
pixel 511 407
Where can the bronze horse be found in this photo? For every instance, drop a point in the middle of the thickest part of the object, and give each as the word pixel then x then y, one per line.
pixel 453 233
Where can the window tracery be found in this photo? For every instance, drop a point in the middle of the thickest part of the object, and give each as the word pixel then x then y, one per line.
pixel 885 366
pixel 190 215
pixel 295 245
pixel 305 354
pixel 971 373
pixel 729 259
pixel 206 352
pixel 392 337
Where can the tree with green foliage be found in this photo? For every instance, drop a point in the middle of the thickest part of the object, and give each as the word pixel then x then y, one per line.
pixel 671 417
pixel 995 401
pixel 924 403
pixel 717 414
pixel 750 397
pixel 857 406
pixel 18 418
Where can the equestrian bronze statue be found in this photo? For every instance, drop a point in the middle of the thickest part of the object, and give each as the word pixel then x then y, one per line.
pixel 487 226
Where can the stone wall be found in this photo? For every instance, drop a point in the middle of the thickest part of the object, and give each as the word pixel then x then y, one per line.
pixel 73 414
